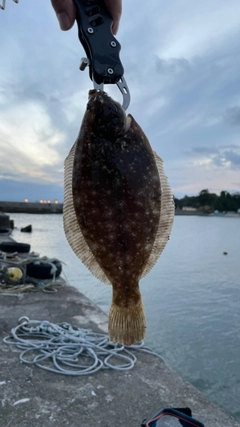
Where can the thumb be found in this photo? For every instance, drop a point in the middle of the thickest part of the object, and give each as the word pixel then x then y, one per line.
pixel 66 13
pixel 115 9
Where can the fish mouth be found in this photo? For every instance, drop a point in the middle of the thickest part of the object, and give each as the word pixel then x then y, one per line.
pixel 93 92
pixel 96 98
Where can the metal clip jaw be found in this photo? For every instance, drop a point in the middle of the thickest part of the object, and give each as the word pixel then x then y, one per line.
pixel 121 84
pixel 3 5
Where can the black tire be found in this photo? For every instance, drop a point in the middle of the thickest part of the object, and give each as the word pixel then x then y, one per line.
pixel 4 230
pixel 42 270
pixel 15 247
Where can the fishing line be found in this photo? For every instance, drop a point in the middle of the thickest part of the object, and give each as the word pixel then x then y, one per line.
pixel 64 349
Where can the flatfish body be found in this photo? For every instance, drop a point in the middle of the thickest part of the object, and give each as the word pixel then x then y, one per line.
pixel 118 209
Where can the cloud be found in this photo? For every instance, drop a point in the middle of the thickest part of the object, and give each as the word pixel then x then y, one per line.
pixel 232 116
pixel 222 157
pixel 205 150
pixel 228 158
pixel 174 66
pixel 181 68
pixel 29 142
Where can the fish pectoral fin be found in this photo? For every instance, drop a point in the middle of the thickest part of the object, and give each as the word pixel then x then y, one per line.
pixel 127 325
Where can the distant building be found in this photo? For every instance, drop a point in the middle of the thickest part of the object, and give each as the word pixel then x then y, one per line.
pixel 189 208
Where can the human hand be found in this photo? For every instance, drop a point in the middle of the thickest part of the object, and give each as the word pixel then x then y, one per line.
pixel 66 13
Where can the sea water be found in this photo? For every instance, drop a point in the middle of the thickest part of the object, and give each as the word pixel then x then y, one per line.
pixel 191 297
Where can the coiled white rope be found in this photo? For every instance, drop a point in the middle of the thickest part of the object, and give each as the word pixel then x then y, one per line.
pixel 62 349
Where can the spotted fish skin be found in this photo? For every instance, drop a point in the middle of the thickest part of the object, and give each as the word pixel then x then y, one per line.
pixel 116 195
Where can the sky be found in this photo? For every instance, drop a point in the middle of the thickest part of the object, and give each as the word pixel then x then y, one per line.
pixel 182 67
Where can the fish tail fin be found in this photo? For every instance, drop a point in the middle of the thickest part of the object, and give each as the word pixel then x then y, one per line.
pixel 127 325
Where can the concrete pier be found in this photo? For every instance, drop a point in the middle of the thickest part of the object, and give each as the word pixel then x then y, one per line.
pixel 30 396
pixel 35 208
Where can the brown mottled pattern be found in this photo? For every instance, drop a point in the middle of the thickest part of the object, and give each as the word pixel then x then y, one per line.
pixel 116 196
pixel 118 209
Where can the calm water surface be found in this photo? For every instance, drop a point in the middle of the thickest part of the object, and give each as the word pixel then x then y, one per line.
pixel 191 297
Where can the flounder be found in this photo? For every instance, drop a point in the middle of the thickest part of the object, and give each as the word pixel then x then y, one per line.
pixel 118 209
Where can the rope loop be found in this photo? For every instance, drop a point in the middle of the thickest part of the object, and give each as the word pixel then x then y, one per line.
pixel 64 349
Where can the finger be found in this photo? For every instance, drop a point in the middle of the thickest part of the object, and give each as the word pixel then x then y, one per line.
pixel 115 10
pixel 66 13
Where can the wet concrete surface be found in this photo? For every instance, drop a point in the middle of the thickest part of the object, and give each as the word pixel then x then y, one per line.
pixel 30 396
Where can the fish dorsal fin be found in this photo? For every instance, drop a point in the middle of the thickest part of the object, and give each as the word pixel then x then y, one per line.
pixel 167 211
pixel 71 227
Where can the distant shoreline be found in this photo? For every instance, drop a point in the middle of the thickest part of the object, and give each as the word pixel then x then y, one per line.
pixel 57 208
pixel 53 208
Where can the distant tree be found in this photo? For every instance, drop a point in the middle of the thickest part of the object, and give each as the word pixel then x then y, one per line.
pixel 178 203
pixel 209 202
pixel 189 201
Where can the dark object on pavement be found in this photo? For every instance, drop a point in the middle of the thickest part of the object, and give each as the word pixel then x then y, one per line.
pixel 27 229
pixel 44 269
pixel 171 417
pixel 15 247
pixel 5 224
pixel 5 231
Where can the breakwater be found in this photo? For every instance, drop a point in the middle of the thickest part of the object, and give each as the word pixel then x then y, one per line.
pixel 34 208
pixel 48 208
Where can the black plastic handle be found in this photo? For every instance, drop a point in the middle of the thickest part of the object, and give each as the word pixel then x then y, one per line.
pixel 101 47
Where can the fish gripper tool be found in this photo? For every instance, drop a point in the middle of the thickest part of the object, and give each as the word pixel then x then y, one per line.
pixel 101 47
pixel 3 5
